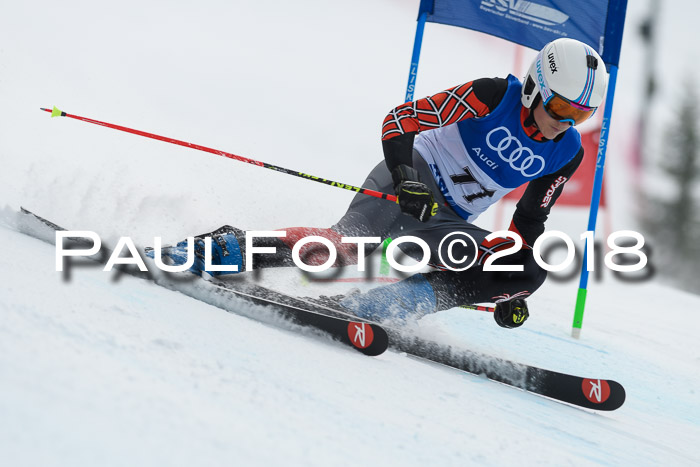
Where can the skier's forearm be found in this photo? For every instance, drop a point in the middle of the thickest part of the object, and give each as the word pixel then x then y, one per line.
pixel 534 206
pixel 399 150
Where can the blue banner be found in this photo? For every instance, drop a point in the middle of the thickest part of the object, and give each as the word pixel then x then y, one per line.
pixel 533 23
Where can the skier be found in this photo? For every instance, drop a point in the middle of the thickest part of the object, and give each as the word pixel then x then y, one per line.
pixel 448 158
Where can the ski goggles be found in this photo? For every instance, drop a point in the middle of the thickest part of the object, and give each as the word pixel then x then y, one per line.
pixel 562 109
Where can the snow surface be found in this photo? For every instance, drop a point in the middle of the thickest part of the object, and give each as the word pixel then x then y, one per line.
pixel 105 369
pixel 102 371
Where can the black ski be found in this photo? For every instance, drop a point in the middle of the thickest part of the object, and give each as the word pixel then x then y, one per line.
pixel 368 338
pixel 591 393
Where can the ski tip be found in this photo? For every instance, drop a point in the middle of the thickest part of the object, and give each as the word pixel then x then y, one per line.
pixel 368 338
pixel 603 394
pixel 55 112
pixel 620 395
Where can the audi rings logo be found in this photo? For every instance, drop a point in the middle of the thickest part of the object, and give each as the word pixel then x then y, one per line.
pixel 521 155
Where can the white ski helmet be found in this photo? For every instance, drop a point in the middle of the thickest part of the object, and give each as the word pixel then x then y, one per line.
pixel 568 69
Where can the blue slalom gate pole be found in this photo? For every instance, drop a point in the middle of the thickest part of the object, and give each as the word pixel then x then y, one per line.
pixel 411 87
pixel 595 201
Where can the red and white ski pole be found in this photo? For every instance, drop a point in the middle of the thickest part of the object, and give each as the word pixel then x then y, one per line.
pixel 59 113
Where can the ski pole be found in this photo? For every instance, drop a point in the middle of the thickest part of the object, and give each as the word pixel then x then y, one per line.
pixel 59 113
pixel 489 309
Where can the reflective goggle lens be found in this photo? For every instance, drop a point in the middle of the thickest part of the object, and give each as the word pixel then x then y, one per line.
pixel 562 109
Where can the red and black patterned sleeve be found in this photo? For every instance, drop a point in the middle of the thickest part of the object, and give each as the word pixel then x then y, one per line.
pixel 473 99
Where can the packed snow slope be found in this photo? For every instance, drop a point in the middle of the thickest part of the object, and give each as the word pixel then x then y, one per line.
pixel 105 370
pixel 98 369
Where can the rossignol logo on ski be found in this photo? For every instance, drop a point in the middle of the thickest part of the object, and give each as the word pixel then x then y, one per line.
pixel 361 334
pixel 596 390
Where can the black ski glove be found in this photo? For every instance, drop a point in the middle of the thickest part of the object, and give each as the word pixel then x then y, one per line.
pixel 511 313
pixel 413 196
